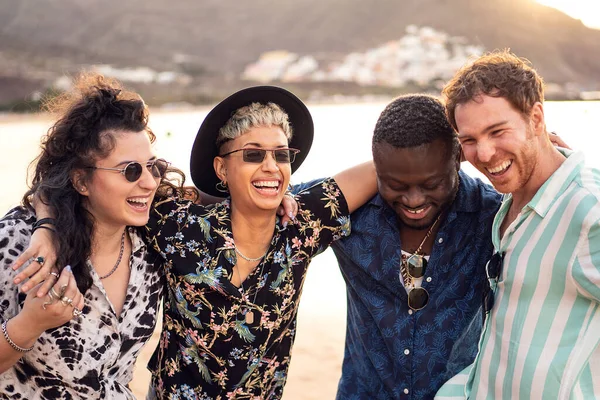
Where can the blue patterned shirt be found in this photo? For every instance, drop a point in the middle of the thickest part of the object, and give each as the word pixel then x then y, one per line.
pixel 392 352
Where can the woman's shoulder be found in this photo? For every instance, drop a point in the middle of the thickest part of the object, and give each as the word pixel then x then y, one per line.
pixel 15 220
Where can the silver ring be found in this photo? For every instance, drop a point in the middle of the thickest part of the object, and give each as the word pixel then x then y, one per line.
pixel 54 274
pixel 53 293
pixel 66 301
pixel 77 312
pixel 48 303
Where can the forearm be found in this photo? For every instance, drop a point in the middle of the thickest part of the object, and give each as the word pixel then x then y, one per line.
pixel 22 335
pixel 42 210
pixel 358 184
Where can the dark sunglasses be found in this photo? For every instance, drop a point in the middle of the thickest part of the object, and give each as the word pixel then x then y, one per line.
pixel 415 266
pixel 493 269
pixel 256 156
pixel 418 298
pixel 133 171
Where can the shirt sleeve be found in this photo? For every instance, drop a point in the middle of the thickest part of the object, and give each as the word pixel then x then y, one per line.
pixel 586 268
pixel 15 232
pixel 305 185
pixel 323 215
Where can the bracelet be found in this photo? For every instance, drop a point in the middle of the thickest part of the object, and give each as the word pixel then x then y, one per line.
pixel 42 227
pixel 13 344
pixel 50 221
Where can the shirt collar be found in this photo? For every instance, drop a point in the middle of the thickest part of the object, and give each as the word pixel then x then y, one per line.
pixel 136 240
pixel 558 182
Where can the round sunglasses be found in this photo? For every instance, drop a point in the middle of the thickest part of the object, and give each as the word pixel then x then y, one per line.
pixel 133 171
pixel 256 156
pixel 418 298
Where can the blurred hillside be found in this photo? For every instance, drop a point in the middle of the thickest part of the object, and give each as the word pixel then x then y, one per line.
pixel 208 43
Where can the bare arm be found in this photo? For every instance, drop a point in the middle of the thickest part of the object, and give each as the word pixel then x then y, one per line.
pixel 358 184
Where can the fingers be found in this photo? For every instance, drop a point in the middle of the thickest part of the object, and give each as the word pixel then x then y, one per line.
pixel 290 206
pixel 44 288
pixel 280 211
pixel 557 141
pixel 72 298
pixel 36 271
pixel 27 255
pixel 70 292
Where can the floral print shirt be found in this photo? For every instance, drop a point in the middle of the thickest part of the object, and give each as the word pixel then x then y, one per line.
pixel 208 348
pixel 91 357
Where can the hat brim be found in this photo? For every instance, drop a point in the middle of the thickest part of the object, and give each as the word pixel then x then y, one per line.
pixel 205 150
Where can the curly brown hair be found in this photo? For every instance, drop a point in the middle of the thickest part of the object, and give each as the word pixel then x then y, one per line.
pixel 89 116
pixel 497 74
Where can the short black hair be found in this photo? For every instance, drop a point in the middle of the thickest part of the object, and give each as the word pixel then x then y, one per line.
pixel 413 120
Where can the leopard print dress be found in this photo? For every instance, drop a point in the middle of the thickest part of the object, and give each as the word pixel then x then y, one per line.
pixel 89 358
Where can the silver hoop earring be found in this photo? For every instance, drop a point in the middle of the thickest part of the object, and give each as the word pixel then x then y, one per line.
pixel 222 187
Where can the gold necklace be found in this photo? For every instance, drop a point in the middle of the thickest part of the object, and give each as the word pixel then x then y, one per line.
pixel 409 281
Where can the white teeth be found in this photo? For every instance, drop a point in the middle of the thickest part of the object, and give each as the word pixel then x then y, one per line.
pixel 500 167
pixel 270 184
pixel 419 211
pixel 140 201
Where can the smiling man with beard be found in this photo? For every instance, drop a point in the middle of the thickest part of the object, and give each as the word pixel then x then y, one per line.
pixel 414 264
pixel 542 332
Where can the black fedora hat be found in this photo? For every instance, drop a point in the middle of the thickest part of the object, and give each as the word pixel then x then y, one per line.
pixel 205 150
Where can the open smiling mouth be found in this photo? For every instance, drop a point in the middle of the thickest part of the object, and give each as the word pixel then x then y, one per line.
pixel 138 203
pixel 416 213
pixel 500 169
pixel 267 187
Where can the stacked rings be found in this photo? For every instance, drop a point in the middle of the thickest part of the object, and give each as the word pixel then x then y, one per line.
pixel 66 301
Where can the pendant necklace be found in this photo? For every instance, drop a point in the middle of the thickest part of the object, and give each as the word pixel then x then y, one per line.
pixel 247 313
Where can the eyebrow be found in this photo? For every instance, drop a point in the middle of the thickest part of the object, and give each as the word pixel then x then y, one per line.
pixel 130 161
pixel 254 144
pixel 487 129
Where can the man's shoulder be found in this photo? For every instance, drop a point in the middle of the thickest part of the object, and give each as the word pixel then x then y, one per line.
pixel 477 196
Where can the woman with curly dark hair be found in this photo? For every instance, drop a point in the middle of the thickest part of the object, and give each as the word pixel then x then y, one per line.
pixel 98 172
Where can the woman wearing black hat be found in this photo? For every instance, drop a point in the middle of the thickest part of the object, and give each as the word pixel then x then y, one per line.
pixel 235 271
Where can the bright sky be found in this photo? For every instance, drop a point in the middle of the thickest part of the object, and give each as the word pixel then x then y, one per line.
pixel 588 11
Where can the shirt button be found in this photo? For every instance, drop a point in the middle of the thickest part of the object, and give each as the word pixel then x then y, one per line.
pixel 407 351
pixel 405 391
pixel 441 240
pixel 428 279
pixel 410 312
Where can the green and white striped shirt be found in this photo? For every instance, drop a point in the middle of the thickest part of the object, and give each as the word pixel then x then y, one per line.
pixel 541 340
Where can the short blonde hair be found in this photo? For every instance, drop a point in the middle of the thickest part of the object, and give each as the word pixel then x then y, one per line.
pixel 251 116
